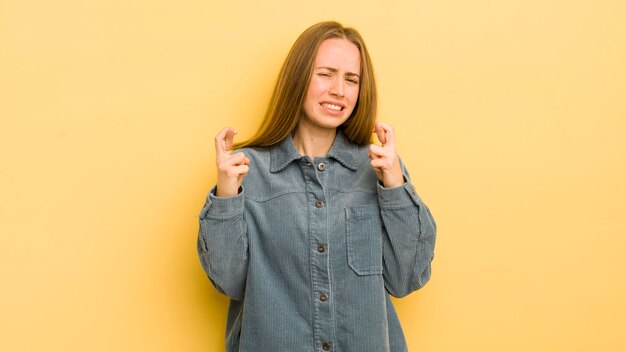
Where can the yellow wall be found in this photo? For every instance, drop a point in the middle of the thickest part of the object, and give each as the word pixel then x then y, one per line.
pixel 511 116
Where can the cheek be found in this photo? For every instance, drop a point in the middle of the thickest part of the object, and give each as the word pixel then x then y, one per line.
pixel 316 88
pixel 354 95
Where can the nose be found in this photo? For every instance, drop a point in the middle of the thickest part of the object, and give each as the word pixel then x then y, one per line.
pixel 337 88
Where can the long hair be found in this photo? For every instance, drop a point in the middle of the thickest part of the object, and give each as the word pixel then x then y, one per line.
pixel 285 106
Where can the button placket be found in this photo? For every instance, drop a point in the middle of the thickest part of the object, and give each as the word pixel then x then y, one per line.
pixel 323 317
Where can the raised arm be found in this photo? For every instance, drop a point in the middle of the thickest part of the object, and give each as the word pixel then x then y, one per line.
pixel 222 242
pixel 409 228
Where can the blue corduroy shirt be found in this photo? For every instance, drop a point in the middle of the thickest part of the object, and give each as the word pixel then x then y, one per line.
pixel 310 251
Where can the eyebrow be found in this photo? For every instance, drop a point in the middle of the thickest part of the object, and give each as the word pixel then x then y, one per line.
pixel 332 69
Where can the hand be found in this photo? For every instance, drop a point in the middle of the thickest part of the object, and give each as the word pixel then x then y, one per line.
pixel 231 168
pixel 385 161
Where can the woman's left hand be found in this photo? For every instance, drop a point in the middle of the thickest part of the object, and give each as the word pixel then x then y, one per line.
pixel 385 161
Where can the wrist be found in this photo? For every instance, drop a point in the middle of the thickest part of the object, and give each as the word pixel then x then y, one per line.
pixel 224 190
pixel 393 182
pixel 394 178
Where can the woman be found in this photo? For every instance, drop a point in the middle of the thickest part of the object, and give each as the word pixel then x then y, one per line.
pixel 310 228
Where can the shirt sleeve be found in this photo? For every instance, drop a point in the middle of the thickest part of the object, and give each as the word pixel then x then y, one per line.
pixel 408 238
pixel 223 244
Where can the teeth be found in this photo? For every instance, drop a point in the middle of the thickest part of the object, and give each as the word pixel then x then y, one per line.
pixel 332 106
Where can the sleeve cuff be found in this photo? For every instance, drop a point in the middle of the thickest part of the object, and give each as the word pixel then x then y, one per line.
pixel 400 196
pixel 223 207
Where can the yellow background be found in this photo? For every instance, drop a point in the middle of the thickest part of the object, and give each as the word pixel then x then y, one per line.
pixel 511 116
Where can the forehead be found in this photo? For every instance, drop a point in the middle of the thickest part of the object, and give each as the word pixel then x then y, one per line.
pixel 340 54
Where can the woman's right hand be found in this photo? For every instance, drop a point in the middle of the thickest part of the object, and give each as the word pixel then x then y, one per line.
pixel 231 168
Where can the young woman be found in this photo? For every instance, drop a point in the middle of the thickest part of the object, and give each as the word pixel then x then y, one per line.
pixel 310 227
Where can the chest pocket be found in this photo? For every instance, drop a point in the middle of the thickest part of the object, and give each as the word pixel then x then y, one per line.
pixel 364 240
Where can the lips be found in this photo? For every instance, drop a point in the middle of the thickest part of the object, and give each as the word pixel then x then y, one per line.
pixel 333 106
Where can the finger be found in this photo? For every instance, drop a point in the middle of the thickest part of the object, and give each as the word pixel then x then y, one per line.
pixel 224 140
pixel 377 150
pixel 373 156
pixel 378 164
pixel 219 139
pixel 240 170
pixel 387 131
pixel 229 138
pixel 383 162
pixel 237 159
pixel 380 133
pixel 232 169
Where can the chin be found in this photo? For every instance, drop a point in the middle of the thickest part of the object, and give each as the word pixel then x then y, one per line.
pixel 332 121
pixel 335 123
pixel 326 121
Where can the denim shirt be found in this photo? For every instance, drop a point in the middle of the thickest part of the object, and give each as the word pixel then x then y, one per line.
pixel 310 250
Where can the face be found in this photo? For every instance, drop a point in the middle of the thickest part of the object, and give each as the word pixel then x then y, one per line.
pixel 334 88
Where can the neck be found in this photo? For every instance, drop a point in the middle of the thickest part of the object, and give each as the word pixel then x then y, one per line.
pixel 313 142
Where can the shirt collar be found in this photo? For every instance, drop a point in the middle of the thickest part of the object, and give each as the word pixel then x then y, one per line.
pixel 283 153
pixel 344 151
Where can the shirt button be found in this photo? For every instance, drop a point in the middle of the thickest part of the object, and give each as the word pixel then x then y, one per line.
pixel 326 346
pixel 323 297
pixel 319 204
pixel 321 248
pixel 321 166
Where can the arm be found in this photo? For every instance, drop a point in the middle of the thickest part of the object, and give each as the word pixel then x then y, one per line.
pixel 408 239
pixel 409 229
pixel 223 245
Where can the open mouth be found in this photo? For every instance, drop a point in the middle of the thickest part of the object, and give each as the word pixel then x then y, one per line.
pixel 332 106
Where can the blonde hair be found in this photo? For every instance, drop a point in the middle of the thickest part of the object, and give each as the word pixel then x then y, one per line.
pixel 285 106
